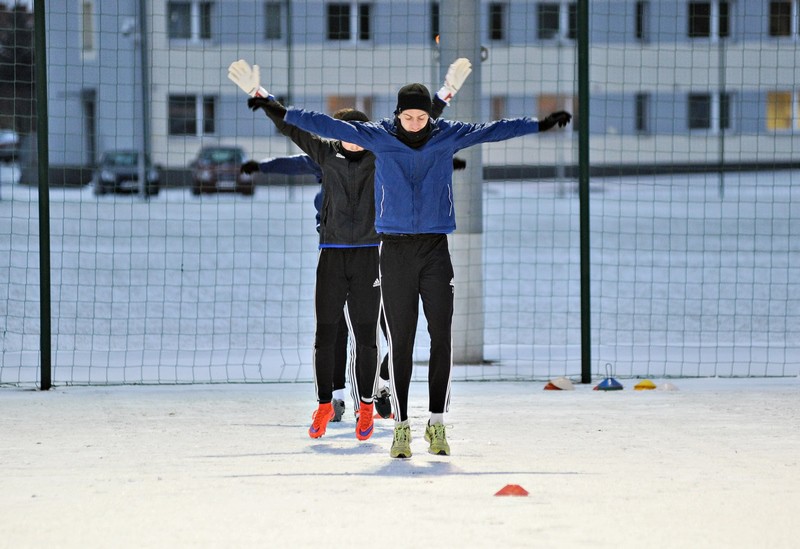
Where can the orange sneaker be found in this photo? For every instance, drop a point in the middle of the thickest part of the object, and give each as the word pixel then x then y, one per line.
pixel 320 418
pixel 364 425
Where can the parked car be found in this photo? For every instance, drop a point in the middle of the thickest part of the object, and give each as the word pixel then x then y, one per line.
pixel 9 145
pixel 118 171
pixel 217 169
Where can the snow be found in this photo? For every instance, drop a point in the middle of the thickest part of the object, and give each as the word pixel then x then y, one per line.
pixel 713 464
pixel 685 281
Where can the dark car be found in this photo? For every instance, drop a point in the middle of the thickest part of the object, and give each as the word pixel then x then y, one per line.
pixel 217 169
pixel 118 172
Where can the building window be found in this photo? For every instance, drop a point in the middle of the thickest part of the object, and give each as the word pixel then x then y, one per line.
pixel 724 111
pixel 497 21
pixel 364 29
pixel 643 21
pixel 361 103
pixel 191 115
pixel 87 26
pixel 343 18
pixel 435 21
pixel 782 22
pixel 709 19
pixel 779 111
pixel 699 111
pixel 338 21
pixel 189 20
pixel 557 20
pixel 643 112
pixel 572 20
pixel 273 21
pixel 709 111
pixel 550 103
pixel 498 107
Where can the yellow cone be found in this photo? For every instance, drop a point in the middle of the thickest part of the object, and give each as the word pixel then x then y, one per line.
pixel 644 385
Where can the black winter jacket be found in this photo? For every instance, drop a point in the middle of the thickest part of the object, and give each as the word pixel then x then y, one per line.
pixel 347 215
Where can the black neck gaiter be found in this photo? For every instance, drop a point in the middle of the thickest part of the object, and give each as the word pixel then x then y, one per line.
pixel 413 139
pixel 351 155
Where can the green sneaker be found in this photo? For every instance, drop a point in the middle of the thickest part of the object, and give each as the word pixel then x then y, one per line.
pixel 434 434
pixel 401 445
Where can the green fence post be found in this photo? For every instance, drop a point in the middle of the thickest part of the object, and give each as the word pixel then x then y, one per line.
pixel 583 188
pixel 42 135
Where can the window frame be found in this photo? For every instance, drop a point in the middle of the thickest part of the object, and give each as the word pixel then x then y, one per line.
pixel 497 21
pixel 274 28
pixel 202 122
pixel 197 24
pixel 718 25
pixel 358 22
pixel 551 102
pixel 643 107
pixel 566 27
pixel 791 19
pixel 781 102
pixel 718 116
pixel 498 107
pixel 88 33
pixel 363 103
pixel 642 21
pixel 435 20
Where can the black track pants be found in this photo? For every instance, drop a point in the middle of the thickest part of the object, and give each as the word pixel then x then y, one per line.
pixel 414 267
pixel 340 359
pixel 347 275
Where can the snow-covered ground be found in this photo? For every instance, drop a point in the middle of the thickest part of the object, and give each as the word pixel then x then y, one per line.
pixel 714 464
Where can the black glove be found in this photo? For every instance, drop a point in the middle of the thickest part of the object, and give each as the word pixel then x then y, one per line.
pixel 256 103
pixel 268 105
pixel 251 166
pixel 558 118
pixel 459 163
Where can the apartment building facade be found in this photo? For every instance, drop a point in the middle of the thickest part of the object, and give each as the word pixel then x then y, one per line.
pixel 672 82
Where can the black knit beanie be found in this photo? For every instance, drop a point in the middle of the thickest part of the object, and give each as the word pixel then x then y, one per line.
pixel 351 115
pixel 413 96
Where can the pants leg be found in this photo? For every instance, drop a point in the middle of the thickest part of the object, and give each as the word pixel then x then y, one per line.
pixel 385 361
pixel 363 305
pixel 329 298
pixel 400 302
pixel 340 355
pixel 436 291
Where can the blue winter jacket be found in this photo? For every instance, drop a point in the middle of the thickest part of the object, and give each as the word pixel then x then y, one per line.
pixel 413 187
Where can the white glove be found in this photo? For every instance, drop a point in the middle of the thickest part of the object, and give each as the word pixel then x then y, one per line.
pixel 247 78
pixel 454 79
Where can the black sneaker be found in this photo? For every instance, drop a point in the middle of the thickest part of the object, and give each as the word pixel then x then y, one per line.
pixel 383 404
pixel 338 409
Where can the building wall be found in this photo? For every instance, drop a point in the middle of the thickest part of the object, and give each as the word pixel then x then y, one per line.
pixel 307 68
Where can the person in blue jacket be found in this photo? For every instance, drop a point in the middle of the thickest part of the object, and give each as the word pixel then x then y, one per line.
pixel 302 164
pixel 414 213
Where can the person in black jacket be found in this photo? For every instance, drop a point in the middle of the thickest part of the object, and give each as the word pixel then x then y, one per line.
pixel 347 268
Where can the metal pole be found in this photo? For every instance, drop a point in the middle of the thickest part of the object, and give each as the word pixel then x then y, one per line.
pixel 460 34
pixel 583 188
pixel 42 135
pixel 144 78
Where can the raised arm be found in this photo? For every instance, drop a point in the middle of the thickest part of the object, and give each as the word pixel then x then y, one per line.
pixel 361 133
pixel 299 164
pixel 311 144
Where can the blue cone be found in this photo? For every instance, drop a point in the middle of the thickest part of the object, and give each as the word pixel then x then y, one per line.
pixel 609 384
